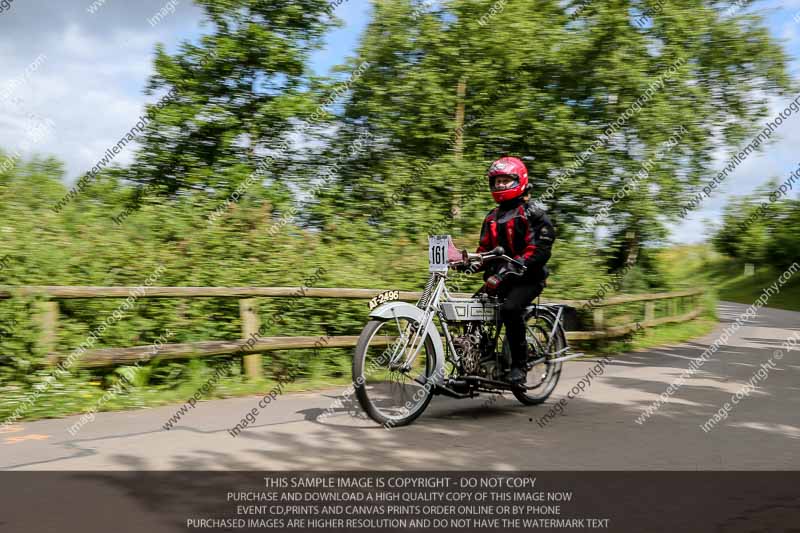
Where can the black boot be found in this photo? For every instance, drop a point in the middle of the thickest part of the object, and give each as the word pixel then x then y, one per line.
pixel 519 369
pixel 518 376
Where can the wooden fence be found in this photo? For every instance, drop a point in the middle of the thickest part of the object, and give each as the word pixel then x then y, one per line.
pixel 48 319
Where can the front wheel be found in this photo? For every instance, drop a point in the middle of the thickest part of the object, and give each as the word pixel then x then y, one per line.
pixel 391 391
pixel 543 376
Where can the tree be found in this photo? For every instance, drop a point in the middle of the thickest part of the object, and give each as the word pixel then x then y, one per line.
pixel 233 99
pixel 594 98
pixel 760 228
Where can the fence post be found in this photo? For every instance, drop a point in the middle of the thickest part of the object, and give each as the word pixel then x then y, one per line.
pixel 599 319
pixel 649 311
pixel 48 322
pixel 250 324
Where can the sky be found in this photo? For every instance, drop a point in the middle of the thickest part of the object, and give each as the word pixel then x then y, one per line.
pixel 72 80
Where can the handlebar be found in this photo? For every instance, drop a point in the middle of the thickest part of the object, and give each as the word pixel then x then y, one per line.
pixel 498 253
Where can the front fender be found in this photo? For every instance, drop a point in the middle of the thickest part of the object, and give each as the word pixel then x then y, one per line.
pixel 391 310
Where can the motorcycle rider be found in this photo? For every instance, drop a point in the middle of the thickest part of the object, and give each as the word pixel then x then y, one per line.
pixel 526 234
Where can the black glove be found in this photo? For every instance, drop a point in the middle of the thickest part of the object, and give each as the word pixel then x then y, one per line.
pixel 502 275
pixel 459 267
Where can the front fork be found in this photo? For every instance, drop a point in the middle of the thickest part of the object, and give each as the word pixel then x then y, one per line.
pixel 418 339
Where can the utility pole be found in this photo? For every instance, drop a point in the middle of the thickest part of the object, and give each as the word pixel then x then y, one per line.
pixel 461 92
pixel 458 146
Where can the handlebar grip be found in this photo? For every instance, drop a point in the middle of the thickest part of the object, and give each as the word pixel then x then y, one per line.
pixel 498 251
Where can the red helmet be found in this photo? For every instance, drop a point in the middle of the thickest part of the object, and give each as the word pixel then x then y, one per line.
pixel 514 168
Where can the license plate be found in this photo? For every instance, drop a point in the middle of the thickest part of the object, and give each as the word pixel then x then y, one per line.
pixel 382 298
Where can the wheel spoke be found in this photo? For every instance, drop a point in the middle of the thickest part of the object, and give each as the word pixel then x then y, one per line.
pixel 391 384
pixel 541 376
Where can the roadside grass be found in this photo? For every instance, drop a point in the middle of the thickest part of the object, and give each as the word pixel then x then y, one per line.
pixel 663 335
pixel 89 399
pixel 699 264
pixel 746 289
pixel 660 336
pixel 689 265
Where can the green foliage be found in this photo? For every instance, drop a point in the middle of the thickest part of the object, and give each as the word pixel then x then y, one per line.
pixel 537 83
pixel 760 228
pixel 232 98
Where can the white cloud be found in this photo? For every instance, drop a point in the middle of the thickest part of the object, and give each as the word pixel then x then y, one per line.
pixel 777 160
pixel 91 83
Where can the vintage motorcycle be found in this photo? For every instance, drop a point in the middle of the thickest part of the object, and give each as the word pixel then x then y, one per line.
pixel 402 360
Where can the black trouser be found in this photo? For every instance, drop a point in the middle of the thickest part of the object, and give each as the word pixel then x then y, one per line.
pixel 516 296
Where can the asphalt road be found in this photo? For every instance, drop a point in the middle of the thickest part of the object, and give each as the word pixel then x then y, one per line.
pixel 597 430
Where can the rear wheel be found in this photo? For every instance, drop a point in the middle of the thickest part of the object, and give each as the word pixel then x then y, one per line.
pixel 392 391
pixel 543 375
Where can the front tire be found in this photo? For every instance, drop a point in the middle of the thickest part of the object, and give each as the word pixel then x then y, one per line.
pixel 391 397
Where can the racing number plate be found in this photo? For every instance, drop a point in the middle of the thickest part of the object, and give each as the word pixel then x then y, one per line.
pixel 382 298
pixel 437 252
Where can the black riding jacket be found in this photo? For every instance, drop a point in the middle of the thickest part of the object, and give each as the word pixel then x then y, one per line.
pixel 524 232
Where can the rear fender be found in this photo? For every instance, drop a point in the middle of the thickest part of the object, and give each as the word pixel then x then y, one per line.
pixel 569 315
pixel 551 311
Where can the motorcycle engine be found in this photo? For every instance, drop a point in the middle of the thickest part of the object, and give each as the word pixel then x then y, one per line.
pixel 490 370
pixel 469 349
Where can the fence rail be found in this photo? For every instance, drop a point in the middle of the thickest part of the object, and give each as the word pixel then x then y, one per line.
pixel 48 319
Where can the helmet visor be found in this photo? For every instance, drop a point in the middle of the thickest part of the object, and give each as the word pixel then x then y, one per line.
pixel 503 182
